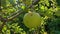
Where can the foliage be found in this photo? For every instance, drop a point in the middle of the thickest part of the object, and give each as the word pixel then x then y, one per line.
pixel 13 11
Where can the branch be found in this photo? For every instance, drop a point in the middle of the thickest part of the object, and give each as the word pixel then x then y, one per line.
pixel 34 3
pixel 18 13
pixel 4 20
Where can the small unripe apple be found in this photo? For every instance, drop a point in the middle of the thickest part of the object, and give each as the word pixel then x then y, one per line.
pixel 32 20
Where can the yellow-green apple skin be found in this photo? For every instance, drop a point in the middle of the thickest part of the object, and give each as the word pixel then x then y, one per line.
pixel 32 20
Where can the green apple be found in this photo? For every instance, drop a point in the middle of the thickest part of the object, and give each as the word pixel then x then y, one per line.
pixel 32 20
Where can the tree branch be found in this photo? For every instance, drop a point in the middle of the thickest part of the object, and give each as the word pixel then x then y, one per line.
pixel 18 13
pixel 34 3
pixel 4 20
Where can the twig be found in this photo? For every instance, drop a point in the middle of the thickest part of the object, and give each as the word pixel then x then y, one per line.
pixel 4 20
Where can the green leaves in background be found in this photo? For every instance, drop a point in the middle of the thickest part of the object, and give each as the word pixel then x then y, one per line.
pixel 49 10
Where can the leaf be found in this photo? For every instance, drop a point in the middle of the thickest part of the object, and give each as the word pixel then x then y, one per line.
pixel 3 3
pixel 12 2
